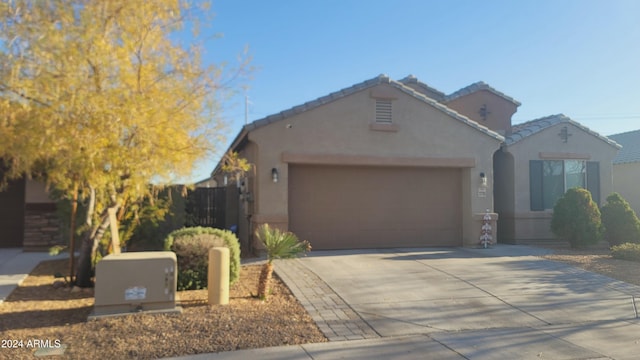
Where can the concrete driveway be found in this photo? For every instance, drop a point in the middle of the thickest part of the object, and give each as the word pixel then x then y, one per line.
pixel 504 302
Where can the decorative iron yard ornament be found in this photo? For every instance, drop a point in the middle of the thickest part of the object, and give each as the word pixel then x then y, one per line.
pixel 485 238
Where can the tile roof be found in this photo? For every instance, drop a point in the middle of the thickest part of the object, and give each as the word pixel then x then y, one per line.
pixel 630 151
pixel 380 79
pixel 526 129
pixel 480 85
pixel 413 82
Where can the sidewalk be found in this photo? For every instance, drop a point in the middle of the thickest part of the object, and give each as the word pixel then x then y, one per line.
pixel 15 266
pixel 408 347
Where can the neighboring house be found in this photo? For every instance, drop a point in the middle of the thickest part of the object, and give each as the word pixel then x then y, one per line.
pixel 626 168
pixel 28 217
pixel 206 183
pixel 388 163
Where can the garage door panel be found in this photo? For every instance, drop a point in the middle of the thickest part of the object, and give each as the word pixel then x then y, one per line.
pixel 338 207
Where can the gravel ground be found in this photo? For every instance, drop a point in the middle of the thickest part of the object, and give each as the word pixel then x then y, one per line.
pixel 599 261
pixel 37 310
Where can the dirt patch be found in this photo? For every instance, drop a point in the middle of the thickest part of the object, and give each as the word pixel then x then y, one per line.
pixel 38 310
pixel 599 261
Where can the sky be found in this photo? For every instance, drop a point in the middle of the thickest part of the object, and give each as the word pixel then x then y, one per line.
pixel 576 57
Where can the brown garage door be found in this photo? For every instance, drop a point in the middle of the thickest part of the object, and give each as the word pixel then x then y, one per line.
pixel 340 207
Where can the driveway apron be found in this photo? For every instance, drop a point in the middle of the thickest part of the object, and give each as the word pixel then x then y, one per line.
pixel 507 295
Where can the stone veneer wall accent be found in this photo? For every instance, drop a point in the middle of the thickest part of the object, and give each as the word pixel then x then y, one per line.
pixel 41 227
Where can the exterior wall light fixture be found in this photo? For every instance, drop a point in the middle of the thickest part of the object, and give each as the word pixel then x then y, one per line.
pixel 274 175
pixel 483 179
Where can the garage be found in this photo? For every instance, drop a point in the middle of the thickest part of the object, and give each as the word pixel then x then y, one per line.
pixel 379 164
pixel 347 207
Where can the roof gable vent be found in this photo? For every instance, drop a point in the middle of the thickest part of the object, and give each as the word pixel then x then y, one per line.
pixel 383 112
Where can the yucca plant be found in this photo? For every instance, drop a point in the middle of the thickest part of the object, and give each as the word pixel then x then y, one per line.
pixel 279 245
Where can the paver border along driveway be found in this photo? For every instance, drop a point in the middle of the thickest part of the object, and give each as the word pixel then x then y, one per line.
pixel 467 299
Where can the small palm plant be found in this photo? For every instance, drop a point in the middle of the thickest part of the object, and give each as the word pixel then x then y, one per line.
pixel 279 245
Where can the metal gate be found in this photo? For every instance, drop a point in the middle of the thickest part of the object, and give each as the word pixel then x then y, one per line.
pixel 206 207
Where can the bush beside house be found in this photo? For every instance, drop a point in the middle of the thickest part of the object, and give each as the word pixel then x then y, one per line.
pixel 576 219
pixel 620 221
pixel 192 245
pixel 626 251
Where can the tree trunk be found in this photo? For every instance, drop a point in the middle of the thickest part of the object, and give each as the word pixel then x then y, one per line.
pixel 265 279
pixel 83 274
pixel 72 234
pixel 89 246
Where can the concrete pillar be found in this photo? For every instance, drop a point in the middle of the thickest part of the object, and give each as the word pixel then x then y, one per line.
pixel 218 276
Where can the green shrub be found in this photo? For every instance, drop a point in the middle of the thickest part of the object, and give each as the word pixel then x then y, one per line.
pixel 620 221
pixel 154 220
pixel 191 280
pixel 576 218
pixel 192 245
pixel 626 251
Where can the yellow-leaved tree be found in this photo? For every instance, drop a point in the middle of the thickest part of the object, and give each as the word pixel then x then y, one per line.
pixel 103 97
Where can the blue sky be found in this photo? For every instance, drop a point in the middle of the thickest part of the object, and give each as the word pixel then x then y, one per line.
pixel 577 57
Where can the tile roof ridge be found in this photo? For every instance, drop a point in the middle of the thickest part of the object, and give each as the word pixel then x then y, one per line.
pixel 442 107
pixel 478 86
pixel 528 128
pixel 412 79
pixel 559 116
pixel 380 79
pixel 335 95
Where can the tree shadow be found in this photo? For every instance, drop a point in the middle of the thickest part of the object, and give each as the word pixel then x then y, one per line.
pixel 34 319
pixel 204 301
pixel 46 292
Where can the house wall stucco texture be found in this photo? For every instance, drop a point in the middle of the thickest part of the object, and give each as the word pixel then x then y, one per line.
pixel 497 114
pixel 340 132
pixel 36 192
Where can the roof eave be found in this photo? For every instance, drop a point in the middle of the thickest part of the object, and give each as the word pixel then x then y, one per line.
pixel 242 136
pixel 560 119
pixel 379 80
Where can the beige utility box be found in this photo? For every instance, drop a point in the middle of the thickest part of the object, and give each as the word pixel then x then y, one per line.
pixel 136 281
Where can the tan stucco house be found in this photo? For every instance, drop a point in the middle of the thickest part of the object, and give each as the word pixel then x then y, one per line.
pixel 388 163
pixel 626 168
